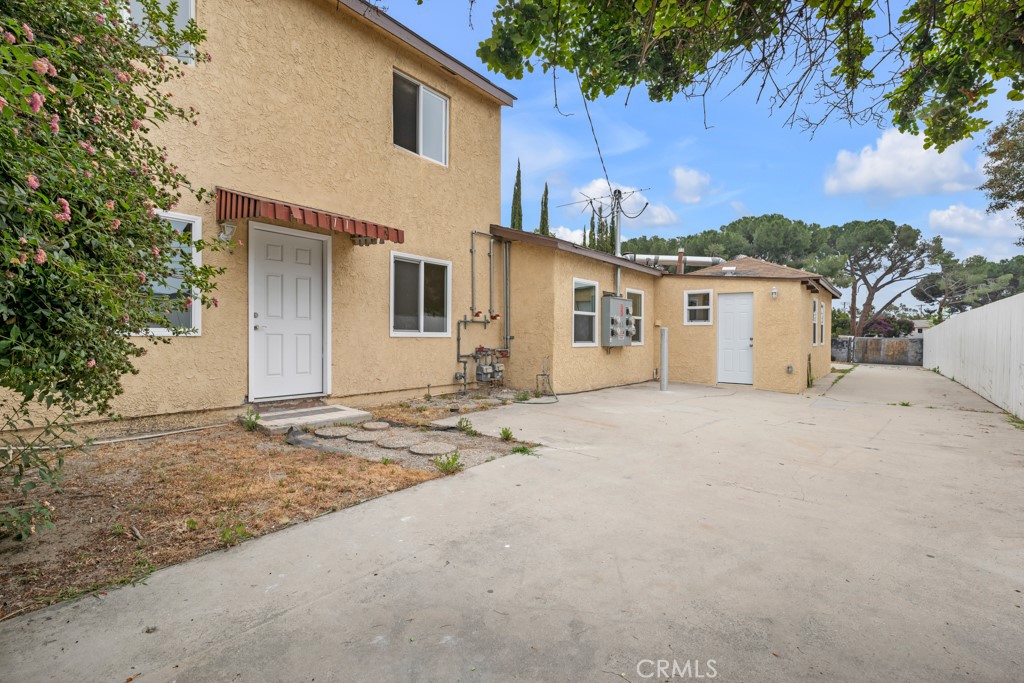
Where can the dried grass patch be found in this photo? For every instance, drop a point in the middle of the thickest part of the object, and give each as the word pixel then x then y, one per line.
pixel 186 495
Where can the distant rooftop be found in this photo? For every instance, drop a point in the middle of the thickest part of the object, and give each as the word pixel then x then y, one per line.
pixel 747 266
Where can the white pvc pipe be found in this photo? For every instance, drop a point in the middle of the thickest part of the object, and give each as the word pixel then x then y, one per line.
pixel 664 359
pixel 654 260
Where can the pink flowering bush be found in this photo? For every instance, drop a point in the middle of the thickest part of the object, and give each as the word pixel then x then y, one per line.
pixel 81 239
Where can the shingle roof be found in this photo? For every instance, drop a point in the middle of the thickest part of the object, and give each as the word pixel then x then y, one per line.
pixel 747 266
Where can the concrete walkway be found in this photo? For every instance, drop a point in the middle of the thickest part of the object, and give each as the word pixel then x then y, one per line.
pixel 832 537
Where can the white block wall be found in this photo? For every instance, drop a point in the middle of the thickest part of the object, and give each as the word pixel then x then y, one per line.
pixel 983 349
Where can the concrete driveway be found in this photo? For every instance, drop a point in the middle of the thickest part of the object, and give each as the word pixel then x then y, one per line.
pixel 831 537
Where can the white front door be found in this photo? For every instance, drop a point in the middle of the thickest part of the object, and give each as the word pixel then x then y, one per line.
pixel 736 338
pixel 286 313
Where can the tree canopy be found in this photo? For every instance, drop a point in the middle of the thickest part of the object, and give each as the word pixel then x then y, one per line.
pixel 1004 167
pixel 82 241
pixel 932 66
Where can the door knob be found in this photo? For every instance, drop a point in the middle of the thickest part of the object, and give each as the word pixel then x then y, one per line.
pixel 256 327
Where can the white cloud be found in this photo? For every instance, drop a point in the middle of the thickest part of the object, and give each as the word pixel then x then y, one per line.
pixel 691 184
pixel 740 208
pixel 564 233
pixel 633 202
pixel 898 165
pixel 963 220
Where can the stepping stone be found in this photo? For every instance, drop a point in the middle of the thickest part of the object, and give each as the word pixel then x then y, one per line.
pixel 363 436
pixel 402 441
pixel 376 426
pixel 334 432
pixel 280 421
pixel 433 448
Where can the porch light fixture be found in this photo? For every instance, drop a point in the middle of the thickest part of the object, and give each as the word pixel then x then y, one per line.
pixel 227 231
pixel 775 292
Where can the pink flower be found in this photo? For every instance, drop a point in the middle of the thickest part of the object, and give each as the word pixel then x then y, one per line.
pixel 64 216
pixel 77 40
pixel 88 174
pixel 3 103
pixel 54 124
pixel 142 277
pixel 40 256
pixel 150 208
pixel 32 181
pixel 23 258
pixel 100 18
pixel 188 302
pixel 215 302
pixel 136 124
pixel 9 37
pixel 22 240
pixel 96 119
pixel 122 77
pixel 29 36
pixel 116 224
pixel 91 363
pixel 40 66
pixel 36 102
pixel 156 252
pixel 86 146
pixel 109 204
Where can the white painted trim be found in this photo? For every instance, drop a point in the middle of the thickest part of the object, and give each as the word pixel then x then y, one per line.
pixel 327 282
pixel 643 305
pixel 419 118
pixel 814 322
pixel 413 258
pixel 595 314
pixel 197 259
pixel 710 307
pixel 821 324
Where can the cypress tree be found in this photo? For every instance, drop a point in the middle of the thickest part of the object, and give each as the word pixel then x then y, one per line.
pixel 593 234
pixel 584 236
pixel 543 228
pixel 517 200
pixel 602 229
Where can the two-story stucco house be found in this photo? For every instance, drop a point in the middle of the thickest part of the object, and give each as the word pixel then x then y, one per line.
pixel 353 160
pixel 359 166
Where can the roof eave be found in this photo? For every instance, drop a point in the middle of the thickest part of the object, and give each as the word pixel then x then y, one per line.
pixel 570 247
pixel 401 32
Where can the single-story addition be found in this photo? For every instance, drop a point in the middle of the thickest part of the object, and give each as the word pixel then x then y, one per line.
pixel 741 322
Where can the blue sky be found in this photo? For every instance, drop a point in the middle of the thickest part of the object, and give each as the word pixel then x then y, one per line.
pixel 746 163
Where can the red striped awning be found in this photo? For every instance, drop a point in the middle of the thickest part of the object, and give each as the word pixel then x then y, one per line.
pixel 232 204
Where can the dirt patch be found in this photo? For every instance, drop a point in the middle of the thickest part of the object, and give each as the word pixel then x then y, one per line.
pixel 423 411
pixel 131 507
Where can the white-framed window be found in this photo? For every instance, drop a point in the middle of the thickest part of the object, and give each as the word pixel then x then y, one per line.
pixel 697 307
pixel 821 322
pixel 419 119
pixel 584 312
pixel 814 322
pixel 188 321
pixel 421 296
pixel 186 12
pixel 636 296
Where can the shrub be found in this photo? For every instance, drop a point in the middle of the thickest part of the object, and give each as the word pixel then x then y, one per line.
pixel 466 427
pixel 506 434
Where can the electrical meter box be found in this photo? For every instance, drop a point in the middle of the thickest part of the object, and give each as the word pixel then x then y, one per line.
pixel 617 324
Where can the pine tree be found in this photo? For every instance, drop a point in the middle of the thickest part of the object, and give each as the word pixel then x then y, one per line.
pixel 593 234
pixel 517 200
pixel 543 228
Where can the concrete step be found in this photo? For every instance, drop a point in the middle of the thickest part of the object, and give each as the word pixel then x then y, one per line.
pixel 280 421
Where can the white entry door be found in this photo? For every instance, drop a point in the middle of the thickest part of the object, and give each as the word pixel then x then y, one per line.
pixel 736 338
pixel 286 313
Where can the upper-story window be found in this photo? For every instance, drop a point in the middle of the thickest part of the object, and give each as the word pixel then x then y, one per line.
pixel 183 13
pixel 420 119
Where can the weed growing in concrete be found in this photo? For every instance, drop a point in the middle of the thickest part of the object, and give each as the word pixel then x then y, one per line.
pixel 448 464
pixel 522 396
pixel 506 434
pixel 250 420
pixel 524 450
pixel 1015 421
pixel 905 404
pixel 466 427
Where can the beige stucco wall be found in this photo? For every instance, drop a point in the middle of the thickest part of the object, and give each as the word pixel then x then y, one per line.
pixel 296 105
pixel 782 332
